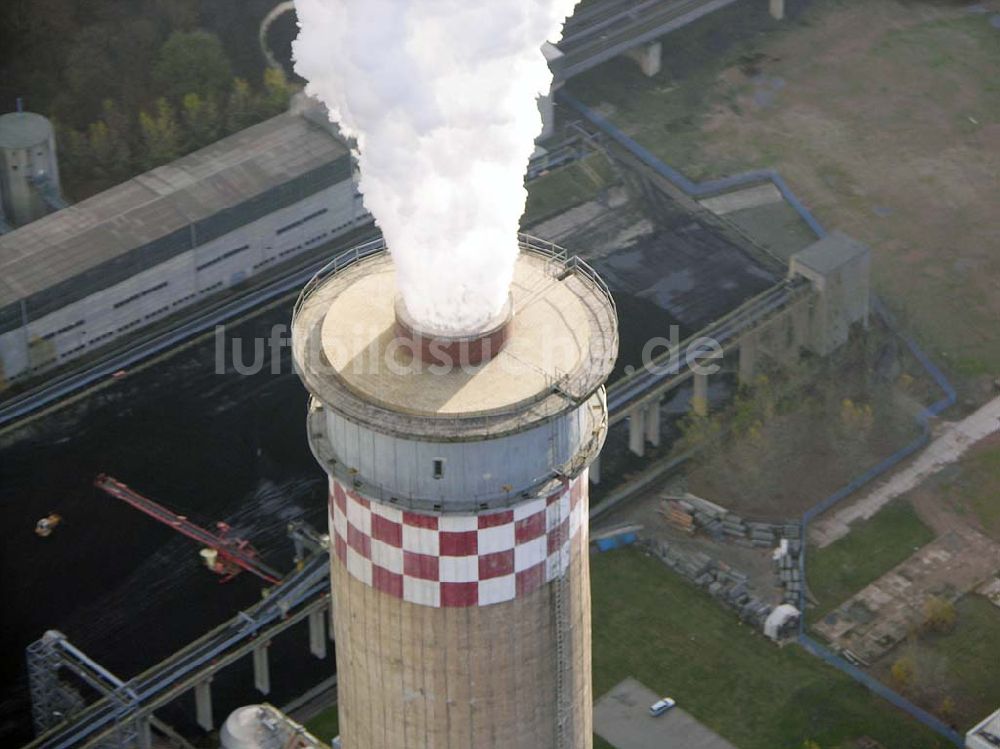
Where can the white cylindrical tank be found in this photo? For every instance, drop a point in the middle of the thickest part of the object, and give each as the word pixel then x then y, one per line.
pixel 264 727
pixel 29 171
pixel 240 731
pixel 458 504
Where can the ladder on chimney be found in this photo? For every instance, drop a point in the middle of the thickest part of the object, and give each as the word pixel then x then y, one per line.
pixel 562 625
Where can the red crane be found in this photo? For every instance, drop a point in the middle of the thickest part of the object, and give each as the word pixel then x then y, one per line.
pixel 223 555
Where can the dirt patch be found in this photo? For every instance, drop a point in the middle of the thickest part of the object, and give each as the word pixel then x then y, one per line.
pixel 754 563
pixel 801 433
pixel 794 461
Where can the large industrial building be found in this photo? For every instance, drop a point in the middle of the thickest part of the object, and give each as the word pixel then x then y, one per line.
pixel 76 279
pixel 458 503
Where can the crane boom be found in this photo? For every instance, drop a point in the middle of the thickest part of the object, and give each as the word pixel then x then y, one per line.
pixel 234 554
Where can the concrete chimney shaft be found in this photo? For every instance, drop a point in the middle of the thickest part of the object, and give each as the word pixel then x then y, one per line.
pixel 458 506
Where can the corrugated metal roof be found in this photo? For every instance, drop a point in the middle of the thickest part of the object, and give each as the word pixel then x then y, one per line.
pixel 157 203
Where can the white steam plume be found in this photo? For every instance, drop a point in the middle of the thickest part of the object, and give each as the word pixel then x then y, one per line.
pixel 441 97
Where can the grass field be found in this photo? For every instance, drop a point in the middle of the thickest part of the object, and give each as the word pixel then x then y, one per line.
pixel 972 487
pixel 884 116
pixel 667 113
pixel 674 639
pixel 566 187
pixel 871 549
pixel 325 726
pixel 956 666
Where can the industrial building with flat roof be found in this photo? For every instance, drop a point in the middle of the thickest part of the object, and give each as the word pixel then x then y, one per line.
pixel 77 279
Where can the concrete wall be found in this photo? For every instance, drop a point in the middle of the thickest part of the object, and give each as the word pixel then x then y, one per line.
pixel 402 467
pixel 190 277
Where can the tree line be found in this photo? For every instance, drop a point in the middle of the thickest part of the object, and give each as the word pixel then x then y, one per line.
pixel 201 103
pixel 132 84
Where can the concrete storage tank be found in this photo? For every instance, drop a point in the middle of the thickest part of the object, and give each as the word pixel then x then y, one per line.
pixel 458 503
pixel 29 172
pixel 265 727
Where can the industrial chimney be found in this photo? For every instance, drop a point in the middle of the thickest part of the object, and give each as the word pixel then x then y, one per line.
pixel 457 470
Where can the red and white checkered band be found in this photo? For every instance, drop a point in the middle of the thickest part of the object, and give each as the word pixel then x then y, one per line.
pixel 445 560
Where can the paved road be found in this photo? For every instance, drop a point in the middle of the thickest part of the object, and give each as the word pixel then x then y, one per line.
pixel 952 442
pixel 621 717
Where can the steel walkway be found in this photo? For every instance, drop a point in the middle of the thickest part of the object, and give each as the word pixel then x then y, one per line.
pixel 605 30
pixel 298 595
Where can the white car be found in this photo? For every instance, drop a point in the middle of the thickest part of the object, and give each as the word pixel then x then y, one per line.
pixel 659 708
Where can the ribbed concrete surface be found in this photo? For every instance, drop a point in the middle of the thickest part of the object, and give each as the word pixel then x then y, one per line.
pixel 417 677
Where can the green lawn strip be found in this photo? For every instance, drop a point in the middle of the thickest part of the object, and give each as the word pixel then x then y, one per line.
pixel 664 116
pixel 777 227
pixel 976 487
pixel 326 725
pixel 567 187
pixel 872 548
pixel 673 638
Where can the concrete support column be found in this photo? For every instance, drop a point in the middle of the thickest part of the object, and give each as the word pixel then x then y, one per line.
pixel 800 325
pixel 699 399
pixel 547 108
pixel 595 471
pixel 637 432
pixel 748 357
pixel 203 704
pixel 652 423
pixel 317 633
pixel 649 57
pixel 777 9
pixel 787 347
pixel 546 104
pixel 144 733
pixel 262 668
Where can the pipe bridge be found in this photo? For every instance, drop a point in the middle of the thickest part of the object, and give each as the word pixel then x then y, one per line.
pixel 123 715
